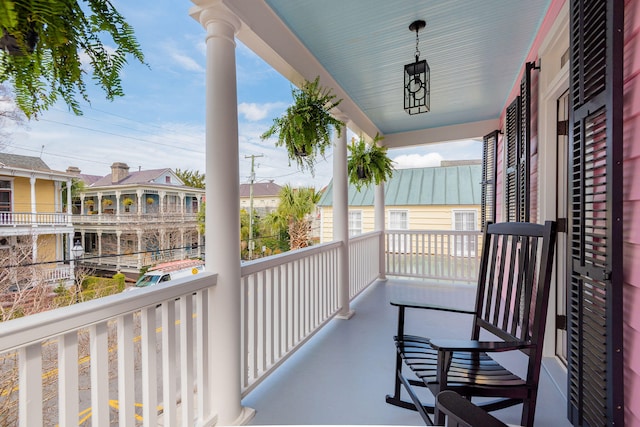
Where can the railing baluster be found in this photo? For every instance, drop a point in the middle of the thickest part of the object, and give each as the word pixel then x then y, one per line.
pixel 68 379
pixel 30 391
pixel 149 370
pixel 186 367
pixel 126 371
pixel 169 375
pixel 99 344
pixel 202 356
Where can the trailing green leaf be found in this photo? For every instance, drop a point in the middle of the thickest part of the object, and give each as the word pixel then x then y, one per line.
pixel 368 163
pixel 51 36
pixel 305 127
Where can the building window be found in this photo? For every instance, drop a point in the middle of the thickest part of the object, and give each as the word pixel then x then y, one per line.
pixel 5 196
pixel 167 179
pixel 399 220
pixel 355 223
pixel 465 245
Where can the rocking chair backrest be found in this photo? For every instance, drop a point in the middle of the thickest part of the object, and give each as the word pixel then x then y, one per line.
pixel 514 280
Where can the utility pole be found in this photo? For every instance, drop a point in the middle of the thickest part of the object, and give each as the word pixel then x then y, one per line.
pixel 252 179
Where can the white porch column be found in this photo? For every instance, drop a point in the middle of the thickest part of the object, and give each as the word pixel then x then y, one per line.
pixel 341 219
pixel 139 234
pixel 378 225
pixel 118 250
pixel 223 210
pixel 32 181
pixel 69 210
pixel 118 194
pixel 139 194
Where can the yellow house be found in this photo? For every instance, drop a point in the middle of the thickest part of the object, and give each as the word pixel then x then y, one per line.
pixel 433 198
pixel 34 229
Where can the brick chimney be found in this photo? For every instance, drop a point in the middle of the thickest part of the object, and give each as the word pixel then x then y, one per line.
pixel 119 171
pixel 73 169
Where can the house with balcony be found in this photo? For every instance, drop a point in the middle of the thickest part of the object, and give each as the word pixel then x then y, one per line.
pixel 306 337
pixel 129 219
pixel 35 226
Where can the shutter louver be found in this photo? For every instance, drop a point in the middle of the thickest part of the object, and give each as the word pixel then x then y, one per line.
pixel 524 144
pixel 594 318
pixel 488 196
pixel 512 132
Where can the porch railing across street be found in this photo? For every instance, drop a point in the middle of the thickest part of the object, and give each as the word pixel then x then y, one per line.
pixel 159 336
pixel 434 254
pixel 29 218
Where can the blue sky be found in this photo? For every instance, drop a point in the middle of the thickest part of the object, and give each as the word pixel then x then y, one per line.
pixel 160 121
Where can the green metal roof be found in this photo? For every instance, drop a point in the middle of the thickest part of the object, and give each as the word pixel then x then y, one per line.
pixel 449 185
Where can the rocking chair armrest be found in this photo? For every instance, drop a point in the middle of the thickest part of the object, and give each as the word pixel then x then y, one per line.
pixel 478 346
pixel 405 304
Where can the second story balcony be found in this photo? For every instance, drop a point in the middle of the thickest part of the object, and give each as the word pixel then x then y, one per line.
pixel 40 222
pixel 149 356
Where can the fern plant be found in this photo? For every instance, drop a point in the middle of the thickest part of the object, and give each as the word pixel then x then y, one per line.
pixel 368 163
pixel 305 127
pixel 42 42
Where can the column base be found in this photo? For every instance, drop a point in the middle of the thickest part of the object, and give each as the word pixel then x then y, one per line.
pixel 346 316
pixel 246 415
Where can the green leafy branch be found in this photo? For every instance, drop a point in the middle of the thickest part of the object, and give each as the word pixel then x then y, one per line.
pixel 43 45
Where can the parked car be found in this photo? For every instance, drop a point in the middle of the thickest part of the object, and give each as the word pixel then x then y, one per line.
pixel 168 271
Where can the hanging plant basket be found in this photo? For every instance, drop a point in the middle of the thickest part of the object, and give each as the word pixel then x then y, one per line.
pixel 127 201
pixel 305 127
pixel 368 163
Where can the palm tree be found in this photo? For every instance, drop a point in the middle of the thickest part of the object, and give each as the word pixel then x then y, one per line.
pixel 296 206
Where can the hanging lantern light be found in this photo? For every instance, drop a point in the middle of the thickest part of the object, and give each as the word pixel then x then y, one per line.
pixel 416 79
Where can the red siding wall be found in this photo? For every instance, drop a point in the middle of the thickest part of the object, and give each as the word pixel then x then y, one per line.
pixel 632 211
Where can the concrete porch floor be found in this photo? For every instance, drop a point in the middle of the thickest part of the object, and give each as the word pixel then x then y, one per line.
pixel 341 376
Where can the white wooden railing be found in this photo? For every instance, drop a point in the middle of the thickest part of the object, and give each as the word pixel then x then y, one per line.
pixel 29 218
pixel 58 273
pixel 134 218
pixel 286 298
pixel 134 352
pixel 364 262
pixel 434 254
pixel 137 351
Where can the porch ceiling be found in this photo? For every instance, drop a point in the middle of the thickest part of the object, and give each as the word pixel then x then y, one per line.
pixel 359 47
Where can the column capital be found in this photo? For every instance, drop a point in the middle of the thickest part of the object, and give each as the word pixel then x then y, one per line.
pixel 208 12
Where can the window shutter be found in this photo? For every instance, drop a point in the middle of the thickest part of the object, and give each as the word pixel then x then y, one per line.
pixel 512 132
pixel 488 184
pixel 524 144
pixel 595 361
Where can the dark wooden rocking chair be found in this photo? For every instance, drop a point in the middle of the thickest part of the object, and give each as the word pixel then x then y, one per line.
pixel 462 413
pixel 511 304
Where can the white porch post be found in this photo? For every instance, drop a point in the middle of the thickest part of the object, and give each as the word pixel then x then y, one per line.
pixel 223 211
pixel 341 219
pixel 378 209
pixel 69 210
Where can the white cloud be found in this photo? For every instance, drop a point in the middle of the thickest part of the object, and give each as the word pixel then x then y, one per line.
pixel 406 161
pixel 186 62
pixel 255 112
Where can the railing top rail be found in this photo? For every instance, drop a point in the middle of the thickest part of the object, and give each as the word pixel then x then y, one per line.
pixel 364 236
pixel 447 232
pixel 38 327
pixel 255 266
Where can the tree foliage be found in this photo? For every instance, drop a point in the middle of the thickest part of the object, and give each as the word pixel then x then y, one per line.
pixel 296 206
pixel 49 46
pixel 191 178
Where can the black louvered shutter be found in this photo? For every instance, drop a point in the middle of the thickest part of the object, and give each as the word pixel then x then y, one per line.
pixel 511 135
pixel 488 195
pixel 595 359
pixel 524 144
